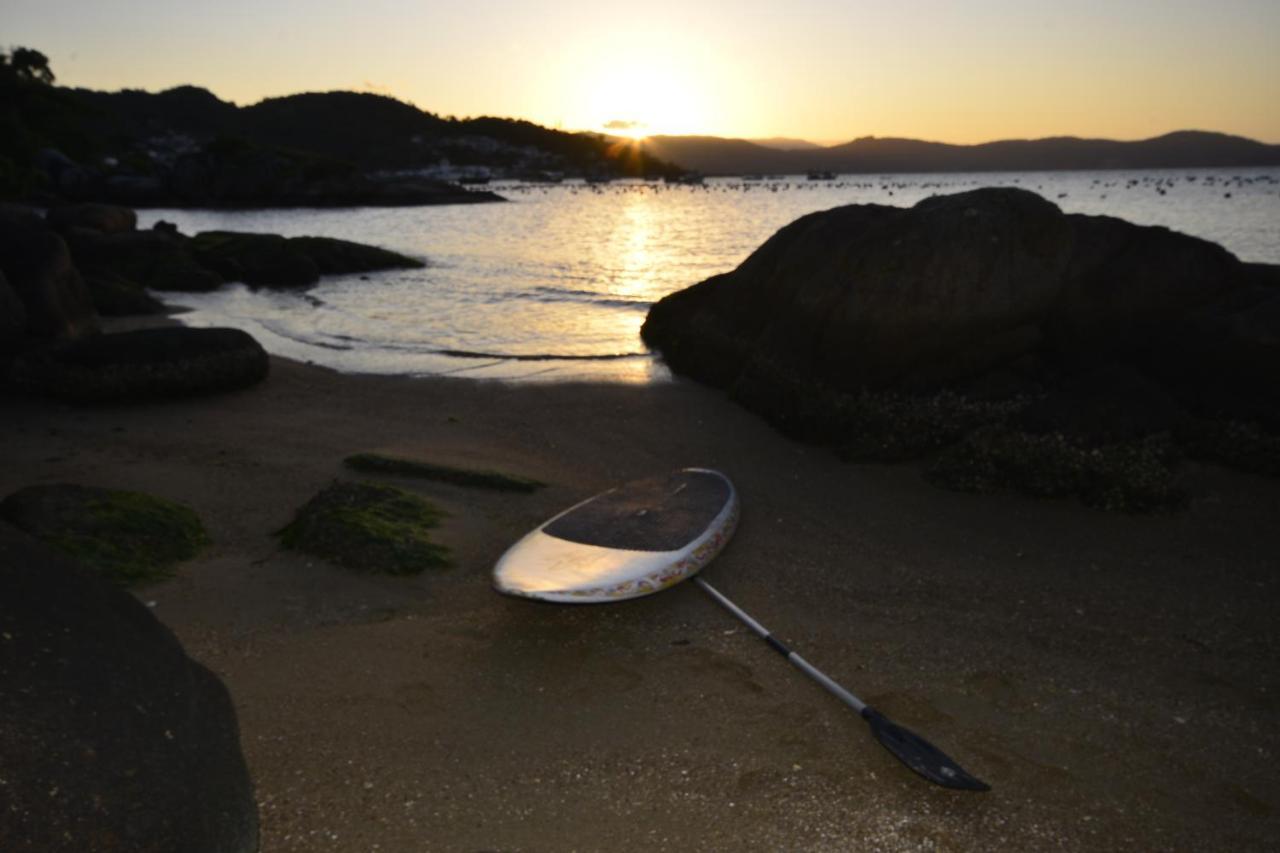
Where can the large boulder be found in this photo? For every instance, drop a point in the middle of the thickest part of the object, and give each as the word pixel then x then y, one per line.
pixel 111 738
pixel 1127 284
pixel 13 318
pixel 106 218
pixel 868 296
pixel 38 267
pixel 116 296
pixel 19 215
pixel 261 260
pixel 958 289
pixel 144 364
pixel 148 259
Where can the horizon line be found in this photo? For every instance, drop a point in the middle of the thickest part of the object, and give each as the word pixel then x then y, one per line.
pixel 755 140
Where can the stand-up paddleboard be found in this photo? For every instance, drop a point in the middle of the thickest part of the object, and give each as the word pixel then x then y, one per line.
pixel 634 540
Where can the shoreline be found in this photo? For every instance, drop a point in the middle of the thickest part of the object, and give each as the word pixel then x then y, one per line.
pixel 1112 676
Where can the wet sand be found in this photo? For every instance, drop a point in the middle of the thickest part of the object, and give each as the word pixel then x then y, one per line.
pixel 1114 678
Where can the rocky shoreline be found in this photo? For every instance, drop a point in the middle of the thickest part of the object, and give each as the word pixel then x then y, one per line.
pixel 403 704
pixel 1016 345
pixel 60 273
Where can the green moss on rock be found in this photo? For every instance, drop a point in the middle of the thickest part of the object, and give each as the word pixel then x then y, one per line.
pixel 129 537
pixel 368 527
pixel 1133 476
pixel 378 463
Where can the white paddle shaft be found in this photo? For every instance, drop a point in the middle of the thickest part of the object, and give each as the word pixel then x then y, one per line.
pixel 777 645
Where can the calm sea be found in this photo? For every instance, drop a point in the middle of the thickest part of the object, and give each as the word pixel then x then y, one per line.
pixel 555 284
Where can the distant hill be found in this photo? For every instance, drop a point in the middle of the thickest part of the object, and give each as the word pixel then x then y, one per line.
pixel 366 130
pixel 1181 149
pixel 185 142
pixel 786 143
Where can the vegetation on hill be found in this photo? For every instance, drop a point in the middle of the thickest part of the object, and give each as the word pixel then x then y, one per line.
pixel 142 147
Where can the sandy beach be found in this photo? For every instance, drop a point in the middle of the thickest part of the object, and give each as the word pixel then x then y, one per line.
pixel 1113 677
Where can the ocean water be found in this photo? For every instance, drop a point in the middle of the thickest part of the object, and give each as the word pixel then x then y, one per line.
pixel 554 285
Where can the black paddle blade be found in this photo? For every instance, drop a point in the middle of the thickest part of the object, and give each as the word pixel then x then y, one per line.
pixel 920 755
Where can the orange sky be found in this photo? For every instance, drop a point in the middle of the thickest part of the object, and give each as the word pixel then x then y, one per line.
pixel 961 71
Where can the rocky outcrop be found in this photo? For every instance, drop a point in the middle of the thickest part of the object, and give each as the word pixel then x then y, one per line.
pixel 111 737
pixel 962 289
pixel 260 260
pixel 13 318
pixel 144 364
pixel 342 257
pixel 157 260
pixel 106 218
pixel 38 267
pixel 269 260
pixel 115 296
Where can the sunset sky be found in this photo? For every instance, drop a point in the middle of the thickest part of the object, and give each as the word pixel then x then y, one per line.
pixel 828 70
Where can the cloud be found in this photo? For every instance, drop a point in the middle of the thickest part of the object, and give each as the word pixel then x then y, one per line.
pixel 620 124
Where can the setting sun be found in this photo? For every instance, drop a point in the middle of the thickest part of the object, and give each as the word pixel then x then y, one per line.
pixel 639 98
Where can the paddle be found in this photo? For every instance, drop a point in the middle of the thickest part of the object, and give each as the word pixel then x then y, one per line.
pixel 909 748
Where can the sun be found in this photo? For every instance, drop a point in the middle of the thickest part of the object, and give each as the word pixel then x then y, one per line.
pixel 631 129
pixel 639 99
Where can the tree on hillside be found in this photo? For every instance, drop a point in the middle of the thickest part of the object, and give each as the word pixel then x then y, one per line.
pixel 26 64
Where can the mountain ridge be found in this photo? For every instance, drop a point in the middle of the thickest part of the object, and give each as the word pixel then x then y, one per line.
pixel 1176 149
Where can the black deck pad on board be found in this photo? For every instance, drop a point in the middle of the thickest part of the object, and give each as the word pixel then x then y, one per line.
pixel 663 513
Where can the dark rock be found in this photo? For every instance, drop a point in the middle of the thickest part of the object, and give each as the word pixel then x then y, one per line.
pixel 368 527
pixel 874 297
pixel 38 266
pixel 1104 405
pixel 114 296
pixel 150 259
pixel 165 227
pixel 1222 361
pixel 1126 284
pixel 127 537
pixel 340 257
pixel 134 190
pixel 965 287
pixel 1264 275
pixel 112 738
pixel 63 173
pixel 19 215
pixel 144 364
pixel 13 318
pixel 107 218
pixel 261 260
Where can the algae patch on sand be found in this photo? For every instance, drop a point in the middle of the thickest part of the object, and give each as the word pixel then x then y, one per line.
pixel 377 463
pixel 368 527
pixel 128 537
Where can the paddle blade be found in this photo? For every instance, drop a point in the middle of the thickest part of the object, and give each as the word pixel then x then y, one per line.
pixel 920 755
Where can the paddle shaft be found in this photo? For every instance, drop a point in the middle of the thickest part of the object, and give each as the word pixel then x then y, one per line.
pixel 778 646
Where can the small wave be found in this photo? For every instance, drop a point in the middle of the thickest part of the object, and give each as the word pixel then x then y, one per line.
pixel 423 349
pixel 457 353
pixel 588 297
pixel 281 331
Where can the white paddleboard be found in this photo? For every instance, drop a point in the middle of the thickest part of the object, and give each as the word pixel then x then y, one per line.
pixel 634 540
